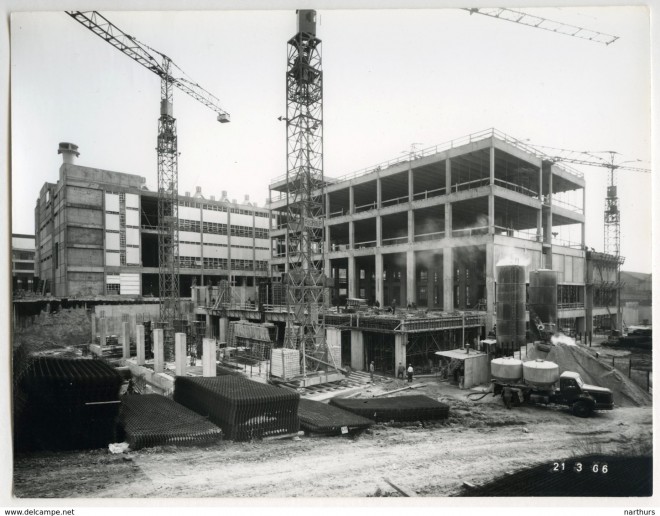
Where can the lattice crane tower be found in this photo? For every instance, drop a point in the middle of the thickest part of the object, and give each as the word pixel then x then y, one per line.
pixel 304 276
pixel 168 156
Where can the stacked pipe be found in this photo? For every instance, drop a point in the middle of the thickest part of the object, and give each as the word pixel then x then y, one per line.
pixel 154 420
pixel 72 404
pixel 148 343
pixel 403 408
pixel 242 408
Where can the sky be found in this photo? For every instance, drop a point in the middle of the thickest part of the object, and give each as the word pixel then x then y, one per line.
pixel 391 78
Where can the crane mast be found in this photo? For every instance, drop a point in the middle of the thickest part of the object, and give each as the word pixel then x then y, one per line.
pixel 304 276
pixel 167 155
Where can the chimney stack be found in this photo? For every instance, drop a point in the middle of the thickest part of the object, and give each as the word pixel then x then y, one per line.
pixel 69 152
pixel 213 197
pixel 187 194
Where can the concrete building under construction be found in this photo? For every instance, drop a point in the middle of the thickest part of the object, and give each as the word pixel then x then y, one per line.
pixel 428 230
pixel 97 234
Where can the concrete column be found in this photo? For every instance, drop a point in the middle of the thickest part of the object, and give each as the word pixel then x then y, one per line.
pixel 351 200
pixel 448 279
pixel 430 272
pixel 411 226
pixel 582 225
pixel 357 350
pixel 411 279
pixel 208 330
pixel 491 213
pixel 400 342
pixel 327 204
pixel 327 300
pixel 208 357
pixel 125 340
pixel 351 235
pixel 411 185
pixel 492 164
pixel 224 326
pixel 490 286
pixel 379 231
pixel 448 220
pixel 448 176
pixel 103 323
pixel 180 354
pixel 159 351
pixel 379 193
pixel 352 277
pixel 333 338
pixel 539 225
pixel 328 240
pixel 93 328
pixel 379 278
pixel 139 344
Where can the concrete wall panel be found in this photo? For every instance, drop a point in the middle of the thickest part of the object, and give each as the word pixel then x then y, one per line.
pixel 112 259
pixel 239 219
pixel 215 216
pixel 189 236
pixel 186 212
pixel 86 257
pixel 215 252
pixel 78 195
pixel 133 256
pixel 190 250
pixel 130 283
pixel 87 236
pixel 215 239
pixel 86 216
pixel 132 236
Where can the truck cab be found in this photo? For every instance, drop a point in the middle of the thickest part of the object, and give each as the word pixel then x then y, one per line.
pixel 582 397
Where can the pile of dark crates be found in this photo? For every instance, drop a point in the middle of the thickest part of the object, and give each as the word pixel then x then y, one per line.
pixel 320 418
pixel 244 409
pixel 67 404
pixel 154 420
pixel 402 408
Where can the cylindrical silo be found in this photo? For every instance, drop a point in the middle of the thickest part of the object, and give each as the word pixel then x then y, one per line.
pixel 543 295
pixel 511 298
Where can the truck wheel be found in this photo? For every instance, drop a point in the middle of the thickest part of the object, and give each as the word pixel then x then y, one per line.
pixel 582 408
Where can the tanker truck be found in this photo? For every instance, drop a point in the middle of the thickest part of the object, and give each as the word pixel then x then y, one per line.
pixel 535 382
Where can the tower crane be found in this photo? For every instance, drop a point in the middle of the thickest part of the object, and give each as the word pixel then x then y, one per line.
pixel 502 13
pixel 168 154
pixel 612 214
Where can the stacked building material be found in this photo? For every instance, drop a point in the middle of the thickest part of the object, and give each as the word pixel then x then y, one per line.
pixel 71 404
pixel 253 339
pixel 402 408
pixel 285 363
pixel 242 408
pixel 148 343
pixel 153 420
pixel 322 418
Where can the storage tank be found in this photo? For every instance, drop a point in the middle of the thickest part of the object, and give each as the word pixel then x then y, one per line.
pixel 540 373
pixel 506 369
pixel 511 298
pixel 543 294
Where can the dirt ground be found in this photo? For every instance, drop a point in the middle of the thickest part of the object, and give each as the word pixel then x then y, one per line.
pixel 478 442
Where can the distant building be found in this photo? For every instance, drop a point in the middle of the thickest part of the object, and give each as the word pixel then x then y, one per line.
pixel 22 262
pixel 636 298
pixel 96 234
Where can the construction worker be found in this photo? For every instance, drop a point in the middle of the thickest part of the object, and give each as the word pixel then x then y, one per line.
pixel 393 306
pixel 507 395
pixel 410 373
pixel 401 371
pixel 371 371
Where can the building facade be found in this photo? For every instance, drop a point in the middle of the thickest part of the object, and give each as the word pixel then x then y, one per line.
pixel 22 262
pixel 96 234
pixel 430 229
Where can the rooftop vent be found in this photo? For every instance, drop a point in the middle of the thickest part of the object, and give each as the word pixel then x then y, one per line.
pixel 69 152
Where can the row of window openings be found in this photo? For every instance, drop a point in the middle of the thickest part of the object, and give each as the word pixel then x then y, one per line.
pixel 213 207
pixel 221 229
pixel 212 244
pixel 192 262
